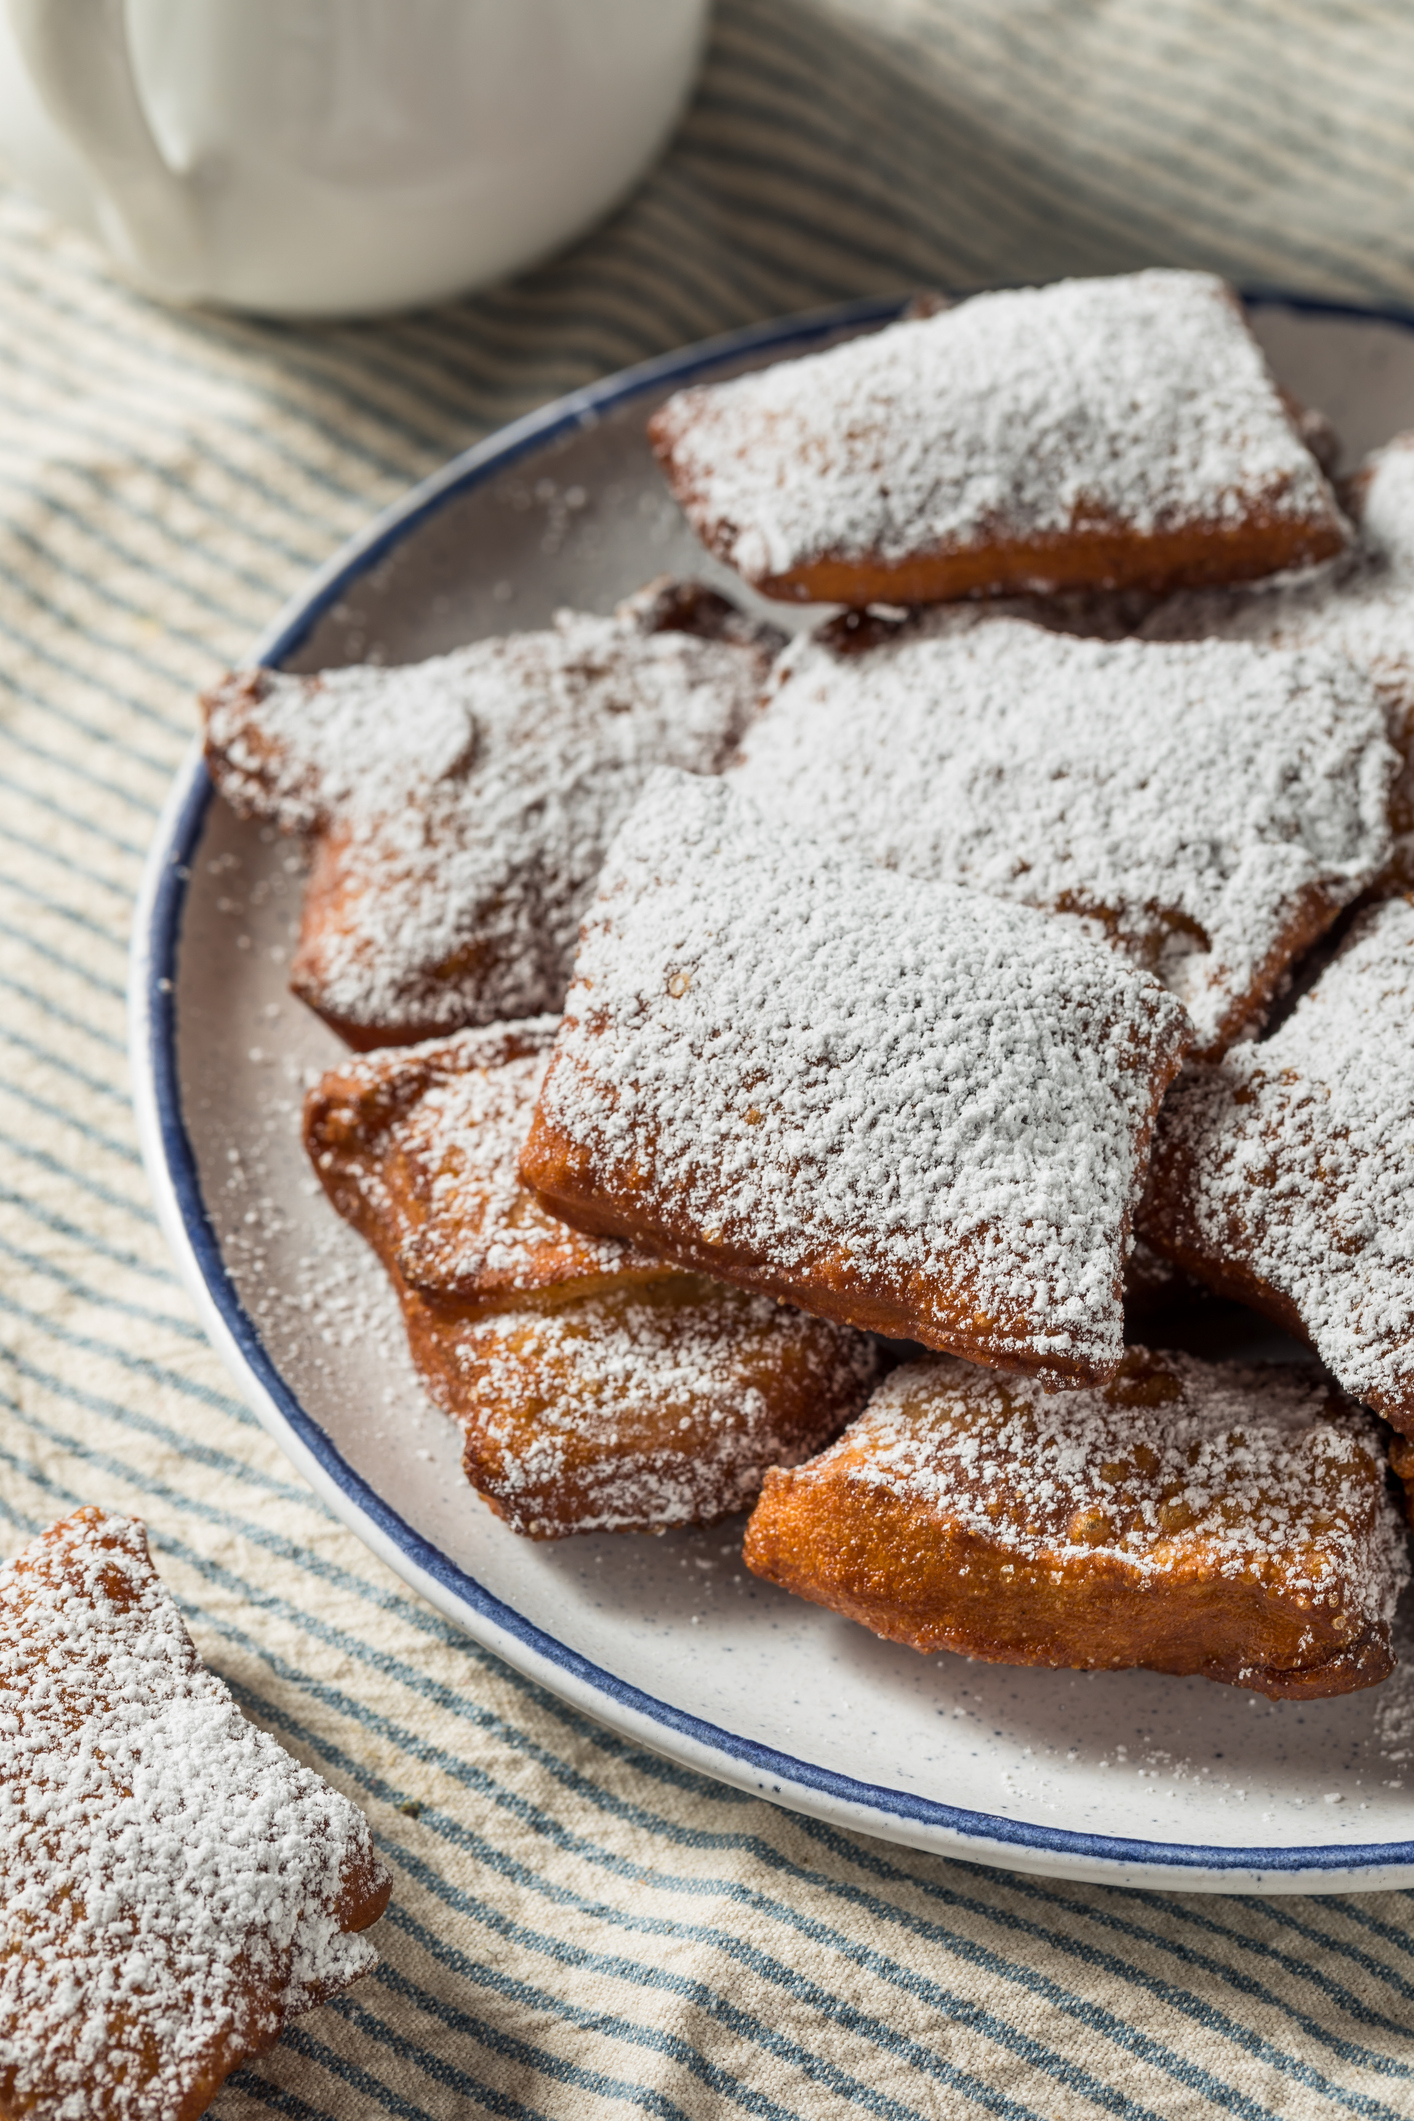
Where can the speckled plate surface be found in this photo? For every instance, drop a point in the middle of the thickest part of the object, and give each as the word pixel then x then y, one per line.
pixel 1128 1778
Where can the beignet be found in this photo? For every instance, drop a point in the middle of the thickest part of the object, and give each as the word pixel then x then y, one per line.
pixel 418 1148
pixel 905 1106
pixel 598 1388
pixel 1188 1518
pixel 176 1887
pixel 1209 807
pixel 457 810
pixel 1282 1176
pixel 1362 606
pixel 1117 433
pixel 654 1404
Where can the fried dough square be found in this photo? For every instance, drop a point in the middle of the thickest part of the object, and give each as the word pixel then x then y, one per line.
pixel 1207 807
pixel 176 1887
pixel 457 810
pixel 418 1148
pixel 1282 1176
pixel 635 1397
pixel 1188 1518
pixel 906 1106
pixel 653 1404
pixel 1116 433
pixel 1362 606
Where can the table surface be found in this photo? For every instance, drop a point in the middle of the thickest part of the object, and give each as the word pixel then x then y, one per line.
pixel 578 1928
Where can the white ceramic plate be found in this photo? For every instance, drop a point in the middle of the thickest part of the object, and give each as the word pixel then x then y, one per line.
pixel 1128 1778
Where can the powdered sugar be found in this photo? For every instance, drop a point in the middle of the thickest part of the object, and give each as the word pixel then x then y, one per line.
pixel 649 1408
pixel 1266 1472
pixel 172 1878
pixel 1293 1163
pixel 420 1149
pixel 1209 806
pixel 462 806
pixel 1140 402
pixel 1362 604
pixel 826 1075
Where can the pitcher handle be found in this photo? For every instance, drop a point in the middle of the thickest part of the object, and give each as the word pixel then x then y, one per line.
pixel 77 54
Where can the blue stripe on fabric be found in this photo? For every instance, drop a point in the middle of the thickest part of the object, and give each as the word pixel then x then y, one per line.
pixel 446 2074
pixel 138 1210
pixel 56 906
pixel 37 1000
pixel 275 2096
pixel 147 1425
pixel 91 680
pixel 64 1066
pixel 128 1155
pixel 94 583
pixel 527 1997
pixel 184 378
pixel 71 817
pixel 763 1965
pixel 301 2042
pixel 36 1264
pixel 169 533
pixel 29 1526
pixel 75 623
pixel 1124 1926
pixel 863 1855
pixel 750 1960
pixel 66 862
pixel 155 1373
pixel 92 731
pixel 64 964
pixel 94 637
pixel 63 1228
pixel 127 431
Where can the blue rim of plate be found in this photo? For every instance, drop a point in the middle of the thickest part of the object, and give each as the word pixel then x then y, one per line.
pixel 156 942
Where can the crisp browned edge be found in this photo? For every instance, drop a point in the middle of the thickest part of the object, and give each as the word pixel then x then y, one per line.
pixel 560 1175
pixel 767 1553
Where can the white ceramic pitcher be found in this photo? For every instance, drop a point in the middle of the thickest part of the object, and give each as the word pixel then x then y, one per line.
pixel 336 157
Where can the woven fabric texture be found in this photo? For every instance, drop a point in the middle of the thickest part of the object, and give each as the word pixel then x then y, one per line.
pixel 578 1928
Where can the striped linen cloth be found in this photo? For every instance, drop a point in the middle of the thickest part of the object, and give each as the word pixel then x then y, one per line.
pixel 578 1928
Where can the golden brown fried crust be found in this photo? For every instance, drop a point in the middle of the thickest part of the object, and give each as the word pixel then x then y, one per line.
pixel 1090 557
pixel 1401 1459
pixel 417 1151
pixel 650 1405
pixel 562 1175
pixel 954 1516
pixel 598 1387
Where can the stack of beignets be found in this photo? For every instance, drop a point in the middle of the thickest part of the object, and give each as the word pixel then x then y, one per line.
pixel 888 961
pixel 1208 806
pixel 598 1388
pixel 909 1106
